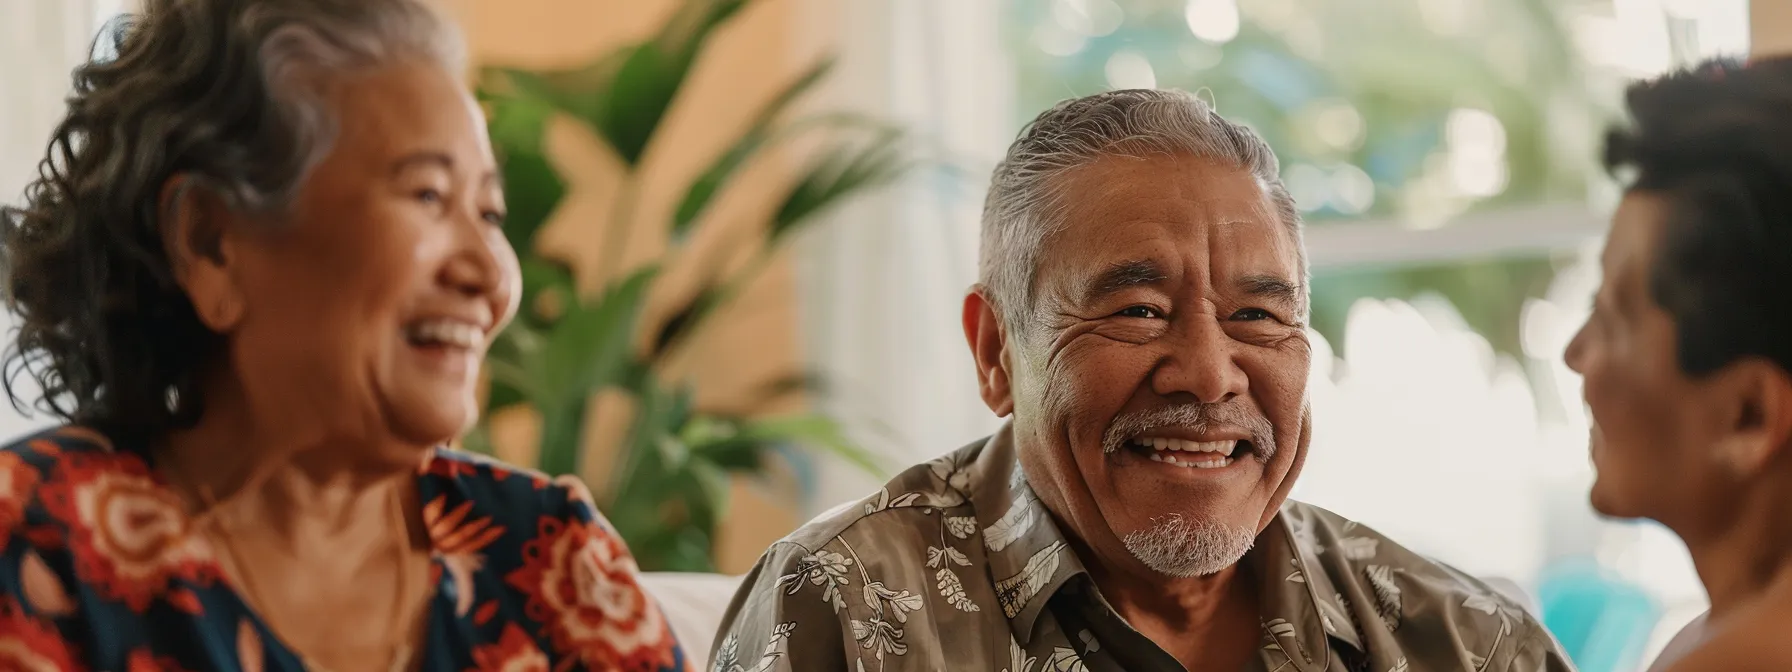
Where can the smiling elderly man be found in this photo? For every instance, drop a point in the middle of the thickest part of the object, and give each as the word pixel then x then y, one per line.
pixel 1142 319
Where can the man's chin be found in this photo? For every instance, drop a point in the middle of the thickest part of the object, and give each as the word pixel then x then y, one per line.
pixel 1609 504
pixel 1182 546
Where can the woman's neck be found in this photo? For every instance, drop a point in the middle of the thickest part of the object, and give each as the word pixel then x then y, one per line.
pixel 288 476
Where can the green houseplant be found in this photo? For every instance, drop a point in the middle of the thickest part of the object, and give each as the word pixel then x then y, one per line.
pixel 670 482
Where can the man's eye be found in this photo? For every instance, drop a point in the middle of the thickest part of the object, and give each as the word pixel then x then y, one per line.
pixel 1252 315
pixel 430 196
pixel 1145 312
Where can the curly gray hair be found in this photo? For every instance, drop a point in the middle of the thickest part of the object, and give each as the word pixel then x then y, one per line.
pixel 227 93
pixel 1025 202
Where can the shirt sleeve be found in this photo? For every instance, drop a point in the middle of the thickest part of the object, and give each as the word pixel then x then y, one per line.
pixel 610 622
pixel 1538 651
pixel 783 618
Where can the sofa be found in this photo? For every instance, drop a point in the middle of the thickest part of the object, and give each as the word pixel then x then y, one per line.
pixel 694 605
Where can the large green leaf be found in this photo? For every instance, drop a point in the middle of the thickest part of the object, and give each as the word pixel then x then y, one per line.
pixel 590 345
pixel 759 133
pixel 838 173
pixel 562 436
pixel 816 432
pixel 532 188
pixel 650 76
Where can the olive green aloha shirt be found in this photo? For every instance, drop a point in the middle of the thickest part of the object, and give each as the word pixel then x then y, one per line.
pixel 956 565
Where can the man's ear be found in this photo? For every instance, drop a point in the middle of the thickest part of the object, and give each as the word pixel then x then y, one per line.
pixel 1758 415
pixel 989 349
pixel 195 226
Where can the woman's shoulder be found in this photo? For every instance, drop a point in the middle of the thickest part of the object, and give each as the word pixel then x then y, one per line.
pixel 454 478
pixel 44 449
pixel 32 464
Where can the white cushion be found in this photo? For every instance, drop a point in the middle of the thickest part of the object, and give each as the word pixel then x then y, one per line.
pixel 694 605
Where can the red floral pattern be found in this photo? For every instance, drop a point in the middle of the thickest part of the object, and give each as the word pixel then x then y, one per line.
pixel 31 645
pixel 532 577
pixel 582 586
pixel 515 651
pixel 143 660
pixel 128 533
pixel 18 482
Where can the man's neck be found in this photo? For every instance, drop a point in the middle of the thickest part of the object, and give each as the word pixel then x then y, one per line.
pixel 1748 555
pixel 1198 620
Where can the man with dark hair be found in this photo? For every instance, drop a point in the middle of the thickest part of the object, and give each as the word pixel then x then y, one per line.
pixel 1687 355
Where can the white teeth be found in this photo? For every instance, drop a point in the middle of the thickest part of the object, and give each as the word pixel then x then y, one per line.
pixel 447 332
pixel 1179 445
pixel 1210 463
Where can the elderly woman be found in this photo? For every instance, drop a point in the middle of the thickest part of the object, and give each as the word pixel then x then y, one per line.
pixel 1688 353
pixel 256 278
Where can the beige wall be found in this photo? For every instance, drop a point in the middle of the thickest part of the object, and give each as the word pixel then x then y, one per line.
pixel 1770 27
pixel 756 340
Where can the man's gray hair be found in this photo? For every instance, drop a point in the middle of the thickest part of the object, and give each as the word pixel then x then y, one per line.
pixel 1025 204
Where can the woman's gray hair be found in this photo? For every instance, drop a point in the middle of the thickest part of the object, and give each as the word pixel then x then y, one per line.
pixel 228 94
pixel 1025 204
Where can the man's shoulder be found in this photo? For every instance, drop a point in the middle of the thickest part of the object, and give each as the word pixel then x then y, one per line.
pixel 1345 545
pixel 906 502
pixel 1419 601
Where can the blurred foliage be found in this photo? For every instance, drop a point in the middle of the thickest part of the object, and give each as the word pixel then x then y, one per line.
pixel 1389 73
pixel 670 484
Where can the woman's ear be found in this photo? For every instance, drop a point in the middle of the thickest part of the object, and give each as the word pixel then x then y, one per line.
pixel 195 235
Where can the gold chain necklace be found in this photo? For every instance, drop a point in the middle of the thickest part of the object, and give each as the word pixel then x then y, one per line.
pixel 401 651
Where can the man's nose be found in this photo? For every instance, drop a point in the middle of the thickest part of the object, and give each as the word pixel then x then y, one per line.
pixel 1199 361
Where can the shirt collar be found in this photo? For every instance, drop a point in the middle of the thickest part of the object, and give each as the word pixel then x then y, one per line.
pixel 1030 558
pixel 1298 596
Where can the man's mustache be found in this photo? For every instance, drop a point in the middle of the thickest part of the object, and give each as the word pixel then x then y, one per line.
pixel 1196 417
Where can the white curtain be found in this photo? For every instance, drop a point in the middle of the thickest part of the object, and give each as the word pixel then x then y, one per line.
pixel 884 280
pixel 41 41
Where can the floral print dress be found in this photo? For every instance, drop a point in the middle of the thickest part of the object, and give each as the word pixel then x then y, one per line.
pixel 100 571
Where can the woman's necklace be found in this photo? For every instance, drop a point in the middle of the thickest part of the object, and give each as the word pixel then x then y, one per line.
pixel 401 649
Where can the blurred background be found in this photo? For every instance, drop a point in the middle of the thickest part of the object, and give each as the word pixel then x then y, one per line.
pixel 747 228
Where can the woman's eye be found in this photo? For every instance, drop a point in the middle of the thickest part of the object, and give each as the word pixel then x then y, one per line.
pixel 493 217
pixel 1252 315
pixel 1145 312
pixel 430 196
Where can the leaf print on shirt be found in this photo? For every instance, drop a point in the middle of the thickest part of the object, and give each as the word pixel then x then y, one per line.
pixel 1016 591
pixel 1275 632
pixel 899 604
pixel 824 568
pixel 879 637
pixel 961 526
pixel 1065 659
pixel 1387 594
pixel 727 657
pixel 1481 603
pixel 952 589
pixel 1018 660
pixel 1013 525
pixel 1358 548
